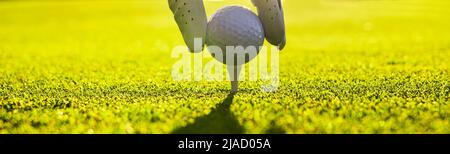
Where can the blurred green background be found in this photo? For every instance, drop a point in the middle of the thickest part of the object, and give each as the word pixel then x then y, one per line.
pixel 350 66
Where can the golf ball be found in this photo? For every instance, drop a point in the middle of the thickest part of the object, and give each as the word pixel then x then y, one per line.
pixel 234 26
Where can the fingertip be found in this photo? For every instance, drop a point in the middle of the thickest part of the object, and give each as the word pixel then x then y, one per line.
pixel 282 45
pixel 196 50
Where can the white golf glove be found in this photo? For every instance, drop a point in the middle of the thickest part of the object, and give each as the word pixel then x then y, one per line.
pixel 191 18
pixel 271 14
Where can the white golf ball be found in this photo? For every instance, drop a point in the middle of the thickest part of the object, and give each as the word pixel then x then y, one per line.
pixel 234 26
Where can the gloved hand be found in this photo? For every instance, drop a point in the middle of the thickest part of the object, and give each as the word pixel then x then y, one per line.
pixel 271 14
pixel 191 18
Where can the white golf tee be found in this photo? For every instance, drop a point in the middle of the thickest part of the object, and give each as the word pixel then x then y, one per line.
pixel 233 72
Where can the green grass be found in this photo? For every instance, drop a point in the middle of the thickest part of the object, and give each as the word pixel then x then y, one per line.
pixel 104 67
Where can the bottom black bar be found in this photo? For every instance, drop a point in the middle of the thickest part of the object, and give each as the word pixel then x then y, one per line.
pixel 227 143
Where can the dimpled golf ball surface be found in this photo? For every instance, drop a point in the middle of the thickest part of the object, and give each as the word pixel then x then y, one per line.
pixel 235 26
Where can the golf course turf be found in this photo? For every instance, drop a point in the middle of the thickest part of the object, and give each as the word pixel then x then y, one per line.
pixel 105 67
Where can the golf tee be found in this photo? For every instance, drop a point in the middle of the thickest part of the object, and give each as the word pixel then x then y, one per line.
pixel 233 72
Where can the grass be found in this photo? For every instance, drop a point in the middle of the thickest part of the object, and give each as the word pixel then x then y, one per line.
pixel 104 67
